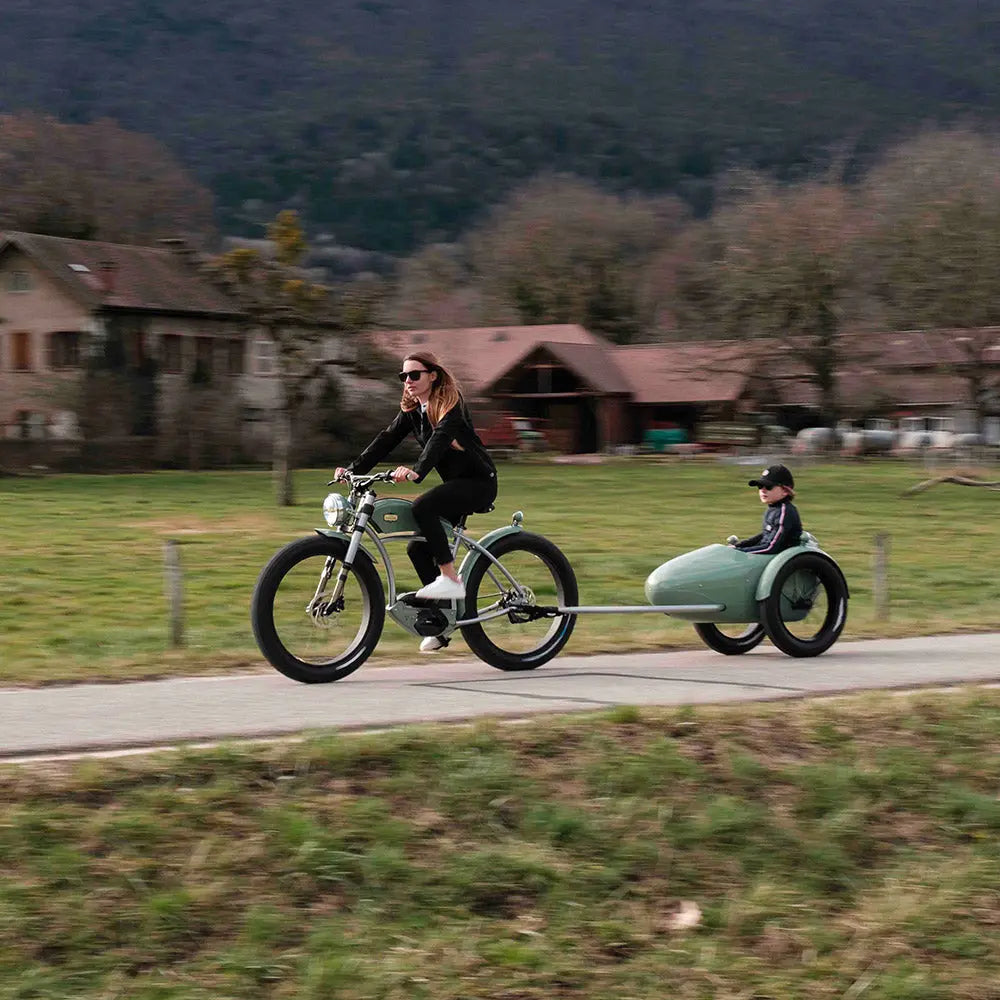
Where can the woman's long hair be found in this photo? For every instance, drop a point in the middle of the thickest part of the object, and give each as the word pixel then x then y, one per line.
pixel 445 392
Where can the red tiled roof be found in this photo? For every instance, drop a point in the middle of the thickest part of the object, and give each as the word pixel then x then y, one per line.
pixel 479 355
pixel 905 366
pixel 145 278
pixel 686 372
pixel 595 364
pixel 901 349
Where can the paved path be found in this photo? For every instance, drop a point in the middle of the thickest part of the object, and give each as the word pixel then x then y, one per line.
pixel 151 713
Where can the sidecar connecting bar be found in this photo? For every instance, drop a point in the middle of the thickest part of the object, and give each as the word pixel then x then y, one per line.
pixel 629 609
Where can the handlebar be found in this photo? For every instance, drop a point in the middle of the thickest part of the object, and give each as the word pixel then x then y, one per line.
pixel 361 482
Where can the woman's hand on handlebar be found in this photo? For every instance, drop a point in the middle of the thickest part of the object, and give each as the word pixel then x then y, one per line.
pixel 402 474
pixel 339 474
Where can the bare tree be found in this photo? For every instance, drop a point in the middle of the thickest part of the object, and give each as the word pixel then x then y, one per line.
pixel 299 318
pixel 778 268
pixel 96 181
pixel 561 251
pixel 436 289
pixel 935 256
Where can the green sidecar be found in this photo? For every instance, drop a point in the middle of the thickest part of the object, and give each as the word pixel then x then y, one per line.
pixel 797 598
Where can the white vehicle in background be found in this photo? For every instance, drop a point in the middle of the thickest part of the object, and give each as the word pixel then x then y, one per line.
pixel 877 437
pixel 813 440
pixel 918 434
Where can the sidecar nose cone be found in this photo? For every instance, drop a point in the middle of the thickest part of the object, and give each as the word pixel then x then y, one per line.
pixel 713 574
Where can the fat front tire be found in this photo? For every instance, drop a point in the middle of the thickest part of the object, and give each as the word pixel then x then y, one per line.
pixel 807 608
pixel 316 648
pixel 515 640
pixel 730 645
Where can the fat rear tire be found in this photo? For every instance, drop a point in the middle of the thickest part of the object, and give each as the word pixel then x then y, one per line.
pixel 481 643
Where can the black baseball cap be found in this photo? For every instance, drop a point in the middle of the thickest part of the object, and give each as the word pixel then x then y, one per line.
pixel 774 475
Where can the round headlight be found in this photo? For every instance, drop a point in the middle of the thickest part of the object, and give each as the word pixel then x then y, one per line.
pixel 336 510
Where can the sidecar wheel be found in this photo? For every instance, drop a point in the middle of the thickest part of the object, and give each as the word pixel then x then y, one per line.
pixel 316 648
pixel 730 645
pixel 806 610
pixel 517 641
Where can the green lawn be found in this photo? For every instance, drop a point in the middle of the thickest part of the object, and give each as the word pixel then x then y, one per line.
pixel 826 849
pixel 81 557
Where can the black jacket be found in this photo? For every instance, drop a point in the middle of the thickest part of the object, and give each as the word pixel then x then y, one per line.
pixel 782 529
pixel 473 462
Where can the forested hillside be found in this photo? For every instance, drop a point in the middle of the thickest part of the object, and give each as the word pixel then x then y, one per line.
pixel 389 123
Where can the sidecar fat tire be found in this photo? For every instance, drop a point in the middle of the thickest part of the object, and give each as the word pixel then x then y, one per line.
pixel 268 635
pixel 772 613
pixel 730 645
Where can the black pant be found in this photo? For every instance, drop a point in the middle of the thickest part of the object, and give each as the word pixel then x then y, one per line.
pixel 450 500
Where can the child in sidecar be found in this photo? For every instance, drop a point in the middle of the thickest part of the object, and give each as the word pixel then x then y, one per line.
pixel 782 526
pixel 797 596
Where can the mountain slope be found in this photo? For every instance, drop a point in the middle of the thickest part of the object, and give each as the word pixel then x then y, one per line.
pixel 391 123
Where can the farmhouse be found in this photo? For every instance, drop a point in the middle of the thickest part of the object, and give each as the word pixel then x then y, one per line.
pixel 66 302
pixel 595 395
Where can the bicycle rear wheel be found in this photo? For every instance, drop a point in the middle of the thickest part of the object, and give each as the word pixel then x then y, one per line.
pixel 519 639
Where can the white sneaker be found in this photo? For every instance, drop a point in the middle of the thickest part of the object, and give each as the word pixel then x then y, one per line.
pixel 442 589
pixel 433 643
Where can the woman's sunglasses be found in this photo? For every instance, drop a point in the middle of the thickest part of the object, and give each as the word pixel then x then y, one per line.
pixel 414 375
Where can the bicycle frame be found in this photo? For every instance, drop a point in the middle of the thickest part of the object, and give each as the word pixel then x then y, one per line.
pixel 362 528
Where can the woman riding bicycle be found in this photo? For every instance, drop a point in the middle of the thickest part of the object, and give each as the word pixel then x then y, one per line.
pixel 433 411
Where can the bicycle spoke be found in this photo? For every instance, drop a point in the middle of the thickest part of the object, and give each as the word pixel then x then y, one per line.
pixel 537 584
pixel 310 625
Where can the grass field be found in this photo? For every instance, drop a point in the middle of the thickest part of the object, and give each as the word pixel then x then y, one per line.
pixel 81 557
pixel 844 848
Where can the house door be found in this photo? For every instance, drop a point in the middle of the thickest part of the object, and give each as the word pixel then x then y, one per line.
pixel 586 428
pixel 21 345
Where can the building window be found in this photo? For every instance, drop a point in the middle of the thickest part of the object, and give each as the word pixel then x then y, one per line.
pixel 264 356
pixel 204 349
pixel 172 353
pixel 65 349
pixel 19 281
pixel 21 351
pixel 234 357
pixel 28 426
pixel 138 351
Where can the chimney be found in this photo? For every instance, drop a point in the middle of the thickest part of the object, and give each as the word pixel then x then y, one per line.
pixel 180 246
pixel 107 276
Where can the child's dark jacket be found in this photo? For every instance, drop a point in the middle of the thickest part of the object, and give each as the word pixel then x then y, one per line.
pixel 782 529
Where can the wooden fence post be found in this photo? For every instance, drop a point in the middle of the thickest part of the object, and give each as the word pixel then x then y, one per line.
pixel 175 591
pixel 880 576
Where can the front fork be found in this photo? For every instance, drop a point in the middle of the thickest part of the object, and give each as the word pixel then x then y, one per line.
pixel 364 514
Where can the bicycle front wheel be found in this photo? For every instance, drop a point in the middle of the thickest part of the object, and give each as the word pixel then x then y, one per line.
pixel 301 630
pixel 516 637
